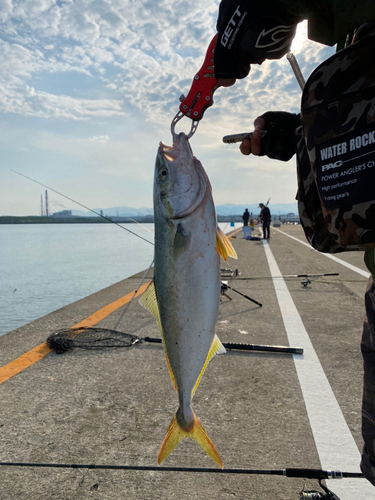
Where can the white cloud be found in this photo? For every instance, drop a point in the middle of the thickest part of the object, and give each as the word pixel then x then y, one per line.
pixel 132 46
pixel 5 9
pixel 28 101
pixel 101 139
pixel 105 77
pixel 146 51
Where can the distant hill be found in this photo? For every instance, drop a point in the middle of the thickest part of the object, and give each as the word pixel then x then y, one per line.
pixel 116 211
pixel 226 209
pixel 276 209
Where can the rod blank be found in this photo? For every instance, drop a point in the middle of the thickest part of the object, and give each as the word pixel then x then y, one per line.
pixel 302 473
pixel 245 347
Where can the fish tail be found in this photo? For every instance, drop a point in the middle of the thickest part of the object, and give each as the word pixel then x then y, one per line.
pixel 176 433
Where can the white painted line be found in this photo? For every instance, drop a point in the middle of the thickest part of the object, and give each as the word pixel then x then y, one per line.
pixel 334 442
pixel 332 257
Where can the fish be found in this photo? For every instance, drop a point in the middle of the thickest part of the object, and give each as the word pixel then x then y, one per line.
pixel 184 294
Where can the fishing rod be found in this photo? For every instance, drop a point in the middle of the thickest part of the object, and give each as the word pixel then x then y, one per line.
pixel 290 472
pixel 244 347
pixel 225 286
pixel 286 276
pixel 81 205
pixel 296 69
pixel 134 294
pixel 144 227
pixel 103 217
pixel 96 338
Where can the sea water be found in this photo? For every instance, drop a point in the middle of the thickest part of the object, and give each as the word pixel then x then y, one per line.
pixel 44 267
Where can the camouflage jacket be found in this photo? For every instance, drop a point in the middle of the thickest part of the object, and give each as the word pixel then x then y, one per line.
pixel 336 151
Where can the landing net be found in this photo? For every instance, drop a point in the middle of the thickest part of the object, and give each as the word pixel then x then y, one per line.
pixel 90 338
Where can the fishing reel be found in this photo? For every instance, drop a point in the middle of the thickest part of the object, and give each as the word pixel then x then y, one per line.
pixel 318 495
pixel 229 273
pixel 223 289
pixel 305 282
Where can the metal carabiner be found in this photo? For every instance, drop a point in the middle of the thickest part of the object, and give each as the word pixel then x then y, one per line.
pixel 177 118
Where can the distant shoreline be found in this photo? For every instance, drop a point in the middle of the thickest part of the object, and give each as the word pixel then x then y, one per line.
pixel 31 219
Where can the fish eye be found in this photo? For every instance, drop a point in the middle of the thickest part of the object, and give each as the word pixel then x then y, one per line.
pixel 163 173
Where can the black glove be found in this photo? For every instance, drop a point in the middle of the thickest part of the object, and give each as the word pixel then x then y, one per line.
pixel 250 31
pixel 279 141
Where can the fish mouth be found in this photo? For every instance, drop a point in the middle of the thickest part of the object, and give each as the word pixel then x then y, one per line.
pixel 170 153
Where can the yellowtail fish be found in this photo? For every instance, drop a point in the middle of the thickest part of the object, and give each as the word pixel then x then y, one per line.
pixel 185 293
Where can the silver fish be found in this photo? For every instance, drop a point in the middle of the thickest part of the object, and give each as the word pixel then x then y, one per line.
pixel 184 295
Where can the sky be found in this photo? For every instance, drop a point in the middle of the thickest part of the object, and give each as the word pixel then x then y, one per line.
pixel 88 89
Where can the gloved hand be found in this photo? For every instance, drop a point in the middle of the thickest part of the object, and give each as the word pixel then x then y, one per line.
pixel 279 141
pixel 250 31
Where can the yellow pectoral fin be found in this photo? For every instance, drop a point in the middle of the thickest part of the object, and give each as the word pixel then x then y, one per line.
pixel 150 302
pixel 224 246
pixel 175 434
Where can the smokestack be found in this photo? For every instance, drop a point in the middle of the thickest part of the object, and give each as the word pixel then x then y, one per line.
pixel 41 205
pixel 46 204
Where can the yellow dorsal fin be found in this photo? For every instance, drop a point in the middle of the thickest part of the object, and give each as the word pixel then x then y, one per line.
pixel 224 246
pixel 216 348
pixel 175 434
pixel 150 302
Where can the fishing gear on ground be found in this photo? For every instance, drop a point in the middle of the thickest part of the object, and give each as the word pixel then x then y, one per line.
pixel 301 473
pixel 95 338
pixel 305 281
pixel 229 273
pixel 224 288
pixel 296 473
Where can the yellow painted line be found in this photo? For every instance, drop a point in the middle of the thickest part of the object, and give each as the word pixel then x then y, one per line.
pixel 235 232
pixel 37 353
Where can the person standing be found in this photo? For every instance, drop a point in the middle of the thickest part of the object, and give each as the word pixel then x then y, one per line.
pixel 246 217
pixel 265 217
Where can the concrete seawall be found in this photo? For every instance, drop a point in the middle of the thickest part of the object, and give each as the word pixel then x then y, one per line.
pixel 113 406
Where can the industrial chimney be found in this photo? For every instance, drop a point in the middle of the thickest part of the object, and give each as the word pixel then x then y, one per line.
pixel 46 204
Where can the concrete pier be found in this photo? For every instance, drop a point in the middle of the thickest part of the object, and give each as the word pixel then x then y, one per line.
pixel 262 410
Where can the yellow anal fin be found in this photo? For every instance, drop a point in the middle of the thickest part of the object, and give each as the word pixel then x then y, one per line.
pixel 224 246
pixel 175 434
pixel 150 302
pixel 216 348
